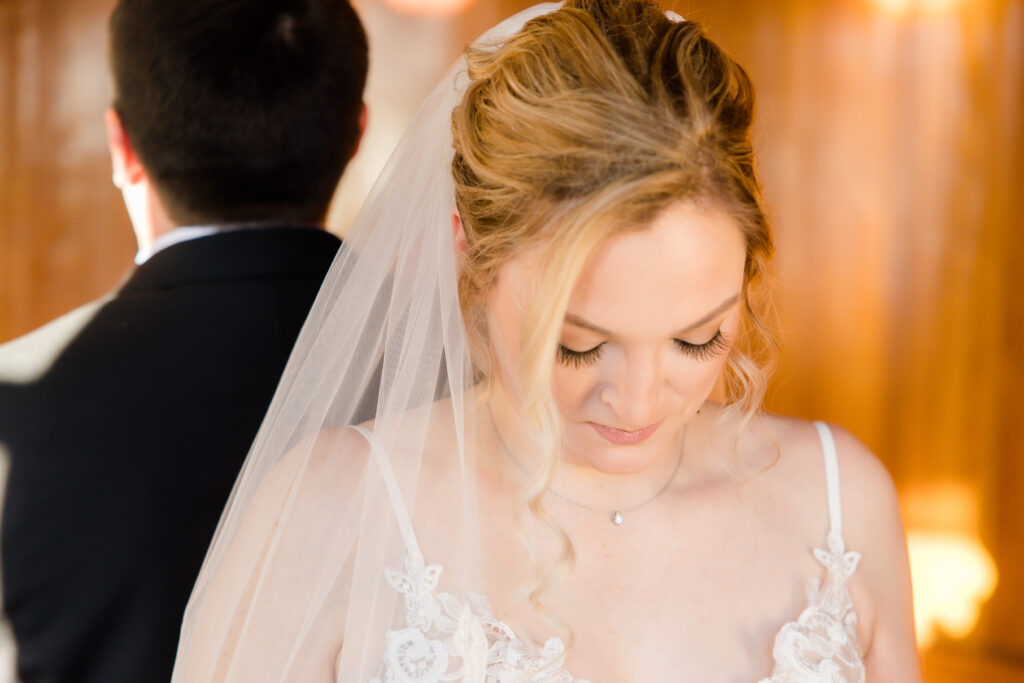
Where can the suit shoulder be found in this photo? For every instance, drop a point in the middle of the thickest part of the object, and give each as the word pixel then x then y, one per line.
pixel 26 358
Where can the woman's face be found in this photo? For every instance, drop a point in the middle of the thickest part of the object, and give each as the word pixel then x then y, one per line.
pixel 647 329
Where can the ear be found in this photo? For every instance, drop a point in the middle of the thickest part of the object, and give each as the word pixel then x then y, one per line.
pixel 128 169
pixel 362 131
pixel 459 234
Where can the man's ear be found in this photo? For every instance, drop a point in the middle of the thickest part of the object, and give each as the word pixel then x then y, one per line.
pixel 459 234
pixel 362 131
pixel 127 168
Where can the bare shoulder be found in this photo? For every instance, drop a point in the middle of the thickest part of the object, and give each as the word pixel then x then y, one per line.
pixel 871 526
pixel 423 436
pixel 331 456
pixel 869 498
pixel 794 447
pixel 308 478
pixel 334 458
pixel 869 501
pixel 866 486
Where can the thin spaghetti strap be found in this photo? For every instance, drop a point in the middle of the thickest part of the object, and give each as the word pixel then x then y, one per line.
pixel 835 508
pixel 394 493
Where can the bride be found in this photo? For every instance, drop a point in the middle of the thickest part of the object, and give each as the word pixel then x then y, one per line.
pixel 520 439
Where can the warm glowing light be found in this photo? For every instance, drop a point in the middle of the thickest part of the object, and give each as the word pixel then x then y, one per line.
pixel 952 572
pixel 897 7
pixel 435 7
pixel 953 575
pixel 940 6
pixel 928 7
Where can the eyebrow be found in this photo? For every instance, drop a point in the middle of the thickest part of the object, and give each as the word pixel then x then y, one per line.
pixel 703 320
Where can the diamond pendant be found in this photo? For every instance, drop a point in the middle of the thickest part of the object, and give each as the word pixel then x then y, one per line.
pixel 617 518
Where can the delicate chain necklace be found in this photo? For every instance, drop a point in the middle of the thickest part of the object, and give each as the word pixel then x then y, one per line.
pixel 614 516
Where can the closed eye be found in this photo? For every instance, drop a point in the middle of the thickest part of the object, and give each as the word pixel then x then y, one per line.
pixel 705 351
pixel 576 359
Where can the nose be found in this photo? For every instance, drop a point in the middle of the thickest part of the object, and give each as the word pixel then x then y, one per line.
pixel 634 392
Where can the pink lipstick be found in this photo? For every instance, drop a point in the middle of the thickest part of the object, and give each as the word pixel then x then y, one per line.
pixel 622 437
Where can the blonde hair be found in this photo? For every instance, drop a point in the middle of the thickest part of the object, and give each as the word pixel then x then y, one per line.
pixel 587 123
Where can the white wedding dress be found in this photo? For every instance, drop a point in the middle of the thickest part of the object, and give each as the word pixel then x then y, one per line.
pixel 447 638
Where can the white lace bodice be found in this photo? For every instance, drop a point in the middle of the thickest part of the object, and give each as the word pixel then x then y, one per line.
pixel 450 639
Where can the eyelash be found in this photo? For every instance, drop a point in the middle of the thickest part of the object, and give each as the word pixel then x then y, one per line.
pixel 705 351
pixel 579 358
pixel 709 349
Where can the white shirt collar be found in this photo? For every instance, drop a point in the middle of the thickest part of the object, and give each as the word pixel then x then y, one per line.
pixel 190 232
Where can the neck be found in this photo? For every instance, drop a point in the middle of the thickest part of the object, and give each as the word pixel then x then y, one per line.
pixel 571 483
pixel 147 213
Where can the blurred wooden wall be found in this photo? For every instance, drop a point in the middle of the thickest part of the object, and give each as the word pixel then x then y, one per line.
pixel 891 148
pixel 64 235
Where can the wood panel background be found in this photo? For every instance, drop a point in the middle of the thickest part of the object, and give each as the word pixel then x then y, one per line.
pixel 64 235
pixel 891 147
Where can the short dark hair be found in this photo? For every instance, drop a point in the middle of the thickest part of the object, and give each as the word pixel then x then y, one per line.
pixel 240 110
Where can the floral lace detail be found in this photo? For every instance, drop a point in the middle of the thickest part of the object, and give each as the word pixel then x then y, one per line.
pixel 821 645
pixel 445 640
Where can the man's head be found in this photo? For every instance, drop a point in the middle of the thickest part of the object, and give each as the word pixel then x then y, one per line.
pixel 238 110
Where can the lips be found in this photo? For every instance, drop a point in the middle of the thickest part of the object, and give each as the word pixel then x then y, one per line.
pixel 622 437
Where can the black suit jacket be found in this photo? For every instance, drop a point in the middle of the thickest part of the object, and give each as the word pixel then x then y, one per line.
pixel 125 443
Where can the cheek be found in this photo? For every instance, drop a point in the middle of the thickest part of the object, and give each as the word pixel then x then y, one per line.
pixel 690 381
pixel 571 387
pixel 700 378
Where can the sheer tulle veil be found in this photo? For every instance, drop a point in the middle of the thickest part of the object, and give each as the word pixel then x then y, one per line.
pixel 297 565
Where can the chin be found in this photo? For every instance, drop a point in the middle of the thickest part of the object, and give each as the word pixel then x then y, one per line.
pixel 588 449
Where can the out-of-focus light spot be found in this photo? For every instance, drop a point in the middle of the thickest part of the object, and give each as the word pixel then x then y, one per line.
pixel 940 6
pixel 953 573
pixel 434 7
pixel 927 7
pixel 897 7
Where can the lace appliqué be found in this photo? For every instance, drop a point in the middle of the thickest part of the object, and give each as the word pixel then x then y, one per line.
pixel 445 640
pixel 821 645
